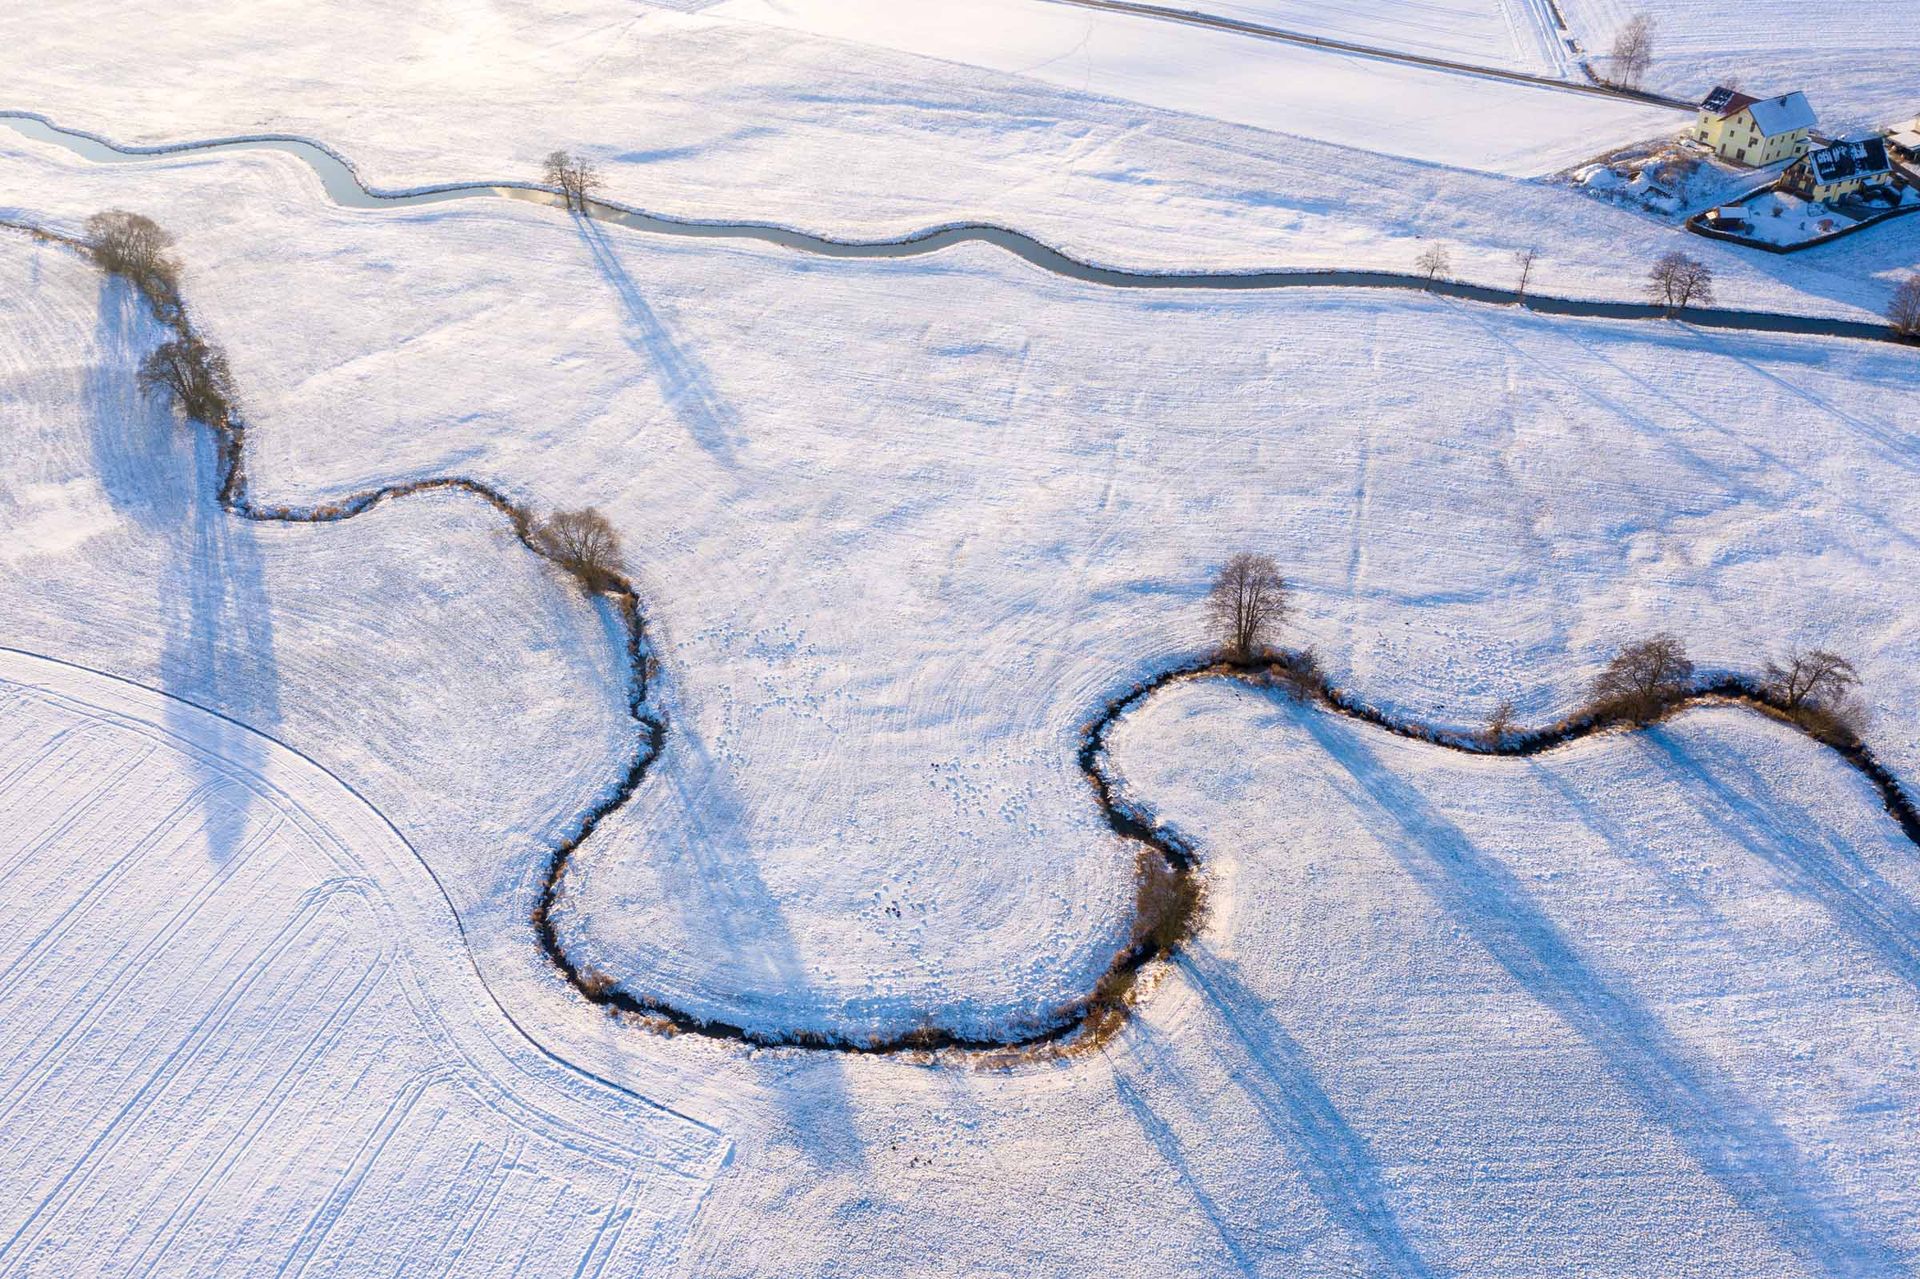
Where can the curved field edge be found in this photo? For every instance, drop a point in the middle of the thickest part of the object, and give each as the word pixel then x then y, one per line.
pixel 306 779
pixel 1170 882
pixel 342 183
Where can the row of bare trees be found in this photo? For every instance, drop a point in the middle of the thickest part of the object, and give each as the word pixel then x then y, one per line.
pixel 190 369
pixel 1675 282
pixel 196 374
pixel 1817 687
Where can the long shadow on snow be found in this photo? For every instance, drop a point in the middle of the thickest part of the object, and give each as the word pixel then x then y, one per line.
pixel 685 383
pixel 142 456
pixel 1164 1140
pixel 217 648
pixel 217 643
pixel 1276 1075
pixel 1733 1141
pixel 1781 834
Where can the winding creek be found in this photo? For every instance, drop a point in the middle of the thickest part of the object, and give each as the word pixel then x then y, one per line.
pixel 342 185
pixel 1125 819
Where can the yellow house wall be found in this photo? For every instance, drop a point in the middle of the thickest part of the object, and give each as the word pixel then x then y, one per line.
pixel 1729 136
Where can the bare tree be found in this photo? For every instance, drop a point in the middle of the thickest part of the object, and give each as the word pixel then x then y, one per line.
pixel 1811 675
pixel 575 176
pixel 1500 726
pixel 1248 600
pixel 1903 311
pixel 1677 281
pixel 134 246
pixel 1525 259
pixel 1434 262
pixel 584 543
pixel 1632 51
pixel 195 374
pixel 1642 679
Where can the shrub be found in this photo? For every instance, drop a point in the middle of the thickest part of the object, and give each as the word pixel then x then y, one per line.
pixel 1500 727
pixel 134 246
pixel 195 374
pixel 584 543
pixel 1642 680
pixel 1298 672
pixel 1903 310
pixel 1841 722
pixel 1166 903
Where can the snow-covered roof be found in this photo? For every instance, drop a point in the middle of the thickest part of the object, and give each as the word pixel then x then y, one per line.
pixel 1906 139
pixel 1845 160
pixel 1783 114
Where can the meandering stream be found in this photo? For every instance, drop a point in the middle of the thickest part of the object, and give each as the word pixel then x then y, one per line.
pixel 1125 819
pixel 343 185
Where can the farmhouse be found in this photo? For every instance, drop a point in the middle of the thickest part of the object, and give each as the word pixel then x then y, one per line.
pixel 1844 168
pixel 1756 131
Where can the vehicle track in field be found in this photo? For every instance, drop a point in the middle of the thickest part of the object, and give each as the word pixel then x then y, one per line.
pixel 343 185
pixel 1124 818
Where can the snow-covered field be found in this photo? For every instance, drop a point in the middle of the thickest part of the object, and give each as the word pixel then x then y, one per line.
pixel 1353 101
pixel 1644 1005
pixel 1519 34
pixel 708 117
pixel 1854 60
pixel 1664 982
pixel 901 527
pixel 244 1035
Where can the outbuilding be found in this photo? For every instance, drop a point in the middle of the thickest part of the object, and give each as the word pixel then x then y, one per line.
pixel 1843 169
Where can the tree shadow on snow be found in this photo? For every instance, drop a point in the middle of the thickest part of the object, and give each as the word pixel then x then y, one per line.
pixel 685 382
pixel 1273 1070
pixel 162 472
pixel 143 457
pixel 1809 860
pixel 1733 1141
pixel 722 896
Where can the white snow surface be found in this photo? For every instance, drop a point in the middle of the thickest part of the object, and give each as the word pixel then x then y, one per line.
pixel 244 1035
pixel 887 515
pixel 1465 121
pixel 1518 34
pixel 901 528
pixel 703 117
pixel 1664 981
pixel 1854 61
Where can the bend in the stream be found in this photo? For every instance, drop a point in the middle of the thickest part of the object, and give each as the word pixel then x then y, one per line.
pixel 343 185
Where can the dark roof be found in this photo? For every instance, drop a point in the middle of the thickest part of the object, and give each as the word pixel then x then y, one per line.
pixel 1845 160
pixel 1724 101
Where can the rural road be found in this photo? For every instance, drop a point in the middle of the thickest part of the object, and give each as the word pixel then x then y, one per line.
pixel 1238 26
